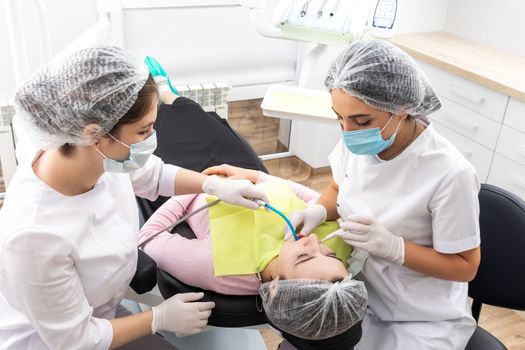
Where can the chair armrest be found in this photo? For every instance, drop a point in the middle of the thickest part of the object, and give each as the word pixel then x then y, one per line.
pixel 229 311
pixel 146 274
pixel 483 340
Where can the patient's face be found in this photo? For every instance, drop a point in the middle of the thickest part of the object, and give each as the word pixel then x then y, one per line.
pixel 308 259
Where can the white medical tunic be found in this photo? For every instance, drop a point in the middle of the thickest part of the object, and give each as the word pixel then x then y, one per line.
pixel 66 261
pixel 428 194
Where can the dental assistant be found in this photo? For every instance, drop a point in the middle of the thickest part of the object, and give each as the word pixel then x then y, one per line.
pixel 69 224
pixel 406 196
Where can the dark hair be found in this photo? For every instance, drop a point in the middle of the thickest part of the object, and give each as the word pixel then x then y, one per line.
pixel 146 98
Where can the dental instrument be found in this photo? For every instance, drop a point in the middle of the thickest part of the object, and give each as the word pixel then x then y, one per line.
pixel 282 14
pixel 305 8
pixel 334 7
pixel 278 212
pixel 184 218
pixel 346 26
pixel 345 29
pixel 332 235
pixel 320 12
pixel 330 22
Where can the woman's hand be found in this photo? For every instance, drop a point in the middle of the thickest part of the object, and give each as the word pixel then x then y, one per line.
pixel 365 233
pixel 308 218
pixel 232 172
pixel 239 192
pixel 182 314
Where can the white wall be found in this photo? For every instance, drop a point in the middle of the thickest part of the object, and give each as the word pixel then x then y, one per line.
pixel 67 19
pixel 7 76
pixel 210 44
pixel 193 44
pixel 495 23
pixel 421 15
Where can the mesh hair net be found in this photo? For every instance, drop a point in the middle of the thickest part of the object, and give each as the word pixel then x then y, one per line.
pixel 97 85
pixel 384 77
pixel 314 309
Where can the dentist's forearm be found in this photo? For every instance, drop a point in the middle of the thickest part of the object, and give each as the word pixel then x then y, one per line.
pixel 460 267
pixel 328 200
pixel 188 182
pixel 130 328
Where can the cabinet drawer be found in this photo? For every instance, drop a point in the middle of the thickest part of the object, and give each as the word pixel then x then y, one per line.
pixel 479 156
pixel 508 174
pixel 471 95
pixel 515 116
pixel 468 123
pixel 511 144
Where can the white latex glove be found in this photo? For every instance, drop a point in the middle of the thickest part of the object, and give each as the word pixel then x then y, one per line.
pixel 234 191
pixel 310 218
pixel 363 232
pixel 181 314
pixel 357 261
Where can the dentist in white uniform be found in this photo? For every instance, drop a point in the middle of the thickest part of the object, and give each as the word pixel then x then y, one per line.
pixel 406 196
pixel 69 224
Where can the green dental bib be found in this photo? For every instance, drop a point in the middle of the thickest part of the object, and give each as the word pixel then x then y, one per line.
pixel 244 241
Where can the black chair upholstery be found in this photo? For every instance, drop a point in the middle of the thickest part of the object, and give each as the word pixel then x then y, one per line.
pixel 193 139
pixel 229 311
pixel 196 140
pixel 483 340
pixel 499 280
pixel 145 277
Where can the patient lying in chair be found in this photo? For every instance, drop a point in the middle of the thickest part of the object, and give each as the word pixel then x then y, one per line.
pixel 305 287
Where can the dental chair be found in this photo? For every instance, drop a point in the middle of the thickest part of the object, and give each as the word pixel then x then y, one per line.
pixel 197 141
pixel 499 280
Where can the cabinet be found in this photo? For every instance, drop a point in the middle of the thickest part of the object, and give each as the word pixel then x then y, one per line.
pixel 488 127
pixel 508 168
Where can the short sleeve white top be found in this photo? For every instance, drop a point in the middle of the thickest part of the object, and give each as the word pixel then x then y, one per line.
pixel 428 195
pixel 66 261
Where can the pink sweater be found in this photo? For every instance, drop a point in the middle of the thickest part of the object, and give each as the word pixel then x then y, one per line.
pixel 190 260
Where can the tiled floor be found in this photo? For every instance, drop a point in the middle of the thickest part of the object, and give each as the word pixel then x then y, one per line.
pixel 261 132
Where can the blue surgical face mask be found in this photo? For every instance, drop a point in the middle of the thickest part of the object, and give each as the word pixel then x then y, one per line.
pixel 368 141
pixel 138 155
